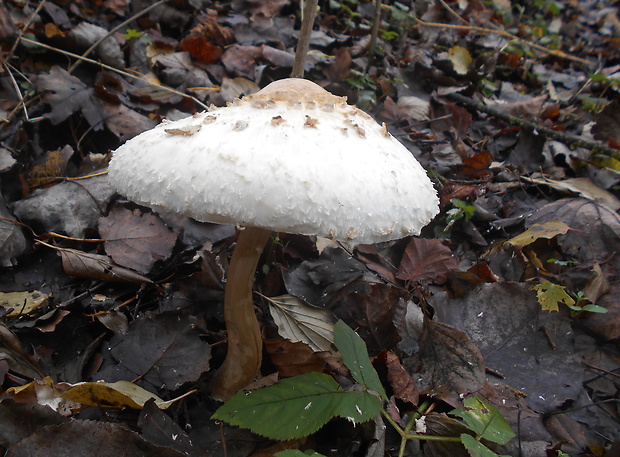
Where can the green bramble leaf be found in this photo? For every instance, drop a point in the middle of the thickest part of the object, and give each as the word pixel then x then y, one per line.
pixel 485 420
pixel 297 453
pixel 476 448
pixel 297 407
pixel 355 357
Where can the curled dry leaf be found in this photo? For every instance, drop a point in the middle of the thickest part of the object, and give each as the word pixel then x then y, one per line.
pixel 297 321
pixel 79 264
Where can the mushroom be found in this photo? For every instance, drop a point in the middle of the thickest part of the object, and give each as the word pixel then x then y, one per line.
pixel 290 158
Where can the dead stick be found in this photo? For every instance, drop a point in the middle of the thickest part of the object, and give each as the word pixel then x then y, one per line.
pixel 114 30
pixel 570 140
pixel 303 44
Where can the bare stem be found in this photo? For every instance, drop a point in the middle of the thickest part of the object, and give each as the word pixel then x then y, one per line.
pixel 245 344
pixel 303 44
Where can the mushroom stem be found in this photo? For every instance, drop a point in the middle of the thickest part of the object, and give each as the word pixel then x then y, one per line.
pixel 245 343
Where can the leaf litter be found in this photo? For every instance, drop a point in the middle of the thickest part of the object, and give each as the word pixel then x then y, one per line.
pixel 135 297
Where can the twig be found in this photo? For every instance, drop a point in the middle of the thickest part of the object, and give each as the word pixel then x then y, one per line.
pixel 374 32
pixel 114 30
pixel 303 44
pixel 509 35
pixel 116 70
pixel 571 140
pixel 25 28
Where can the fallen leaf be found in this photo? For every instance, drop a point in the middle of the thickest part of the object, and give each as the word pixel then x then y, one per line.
pixel 81 437
pixel 450 364
pixel 299 322
pixel 66 95
pixel 607 126
pixel 51 167
pixel 550 295
pixel 22 303
pixel 292 359
pixel 79 264
pixel 82 202
pixel 136 240
pixel 162 350
pixel 426 260
pixel 460 58
pixel 547 231
pixel 120 394
pixel 12 240
pixel 583 187
pixel 402 383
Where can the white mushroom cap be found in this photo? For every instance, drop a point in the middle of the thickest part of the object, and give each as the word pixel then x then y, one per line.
pixel 291 158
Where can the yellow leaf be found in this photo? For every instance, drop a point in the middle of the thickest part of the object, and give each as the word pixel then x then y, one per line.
pixel 120 394
pixel 547 230
pixel 550 295
pixel 460 58
pixel 20 303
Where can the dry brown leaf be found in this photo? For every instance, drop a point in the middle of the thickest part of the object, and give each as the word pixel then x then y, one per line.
pixel 79 264
pixel 426 260
pixel 292 359
pixel 136 240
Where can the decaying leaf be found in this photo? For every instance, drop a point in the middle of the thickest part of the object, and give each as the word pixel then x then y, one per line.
pixel 583 187
pixel 547 231
pixel 460 58
pixel 550 295
pixel 136 240
pixel 292 359
pixel 120 394
pixel 12 239
pixel 82 201
pixel 450 364
pixel 298 321
pixel 401 381
pixel 426 260
pixel 82 437
pixel 79 264
pixel 21 303
pixel 50 167
pixel 161 350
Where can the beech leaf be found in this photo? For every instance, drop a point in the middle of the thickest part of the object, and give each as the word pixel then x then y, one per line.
pixel 297 321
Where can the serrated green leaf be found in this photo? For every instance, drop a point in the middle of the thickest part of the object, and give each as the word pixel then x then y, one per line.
pixel 297 453
pixel 485 420
pixel 355 357
pixel 297 407
pixel 476 448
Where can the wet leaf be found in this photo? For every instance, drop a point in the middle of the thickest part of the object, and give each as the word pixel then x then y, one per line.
pixel 402 383
pixel 450 363
pixel 161 430
pixel 550 295
pixel 460 58
pixel 81 437
pixel 426 260
pixel 292 359
pixel 297 321
pixel 162 350
pixel 82 202
pixel 136 240
pixel 21 303
pixel 547 231
pixel 120 394
pixel 66 95
pixel 79 264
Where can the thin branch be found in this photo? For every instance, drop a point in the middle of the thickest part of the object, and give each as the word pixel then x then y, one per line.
pixel 570 140
pixel 25 28
pixel 303 44
pixel 505 34
pixel 374 32
pixel 114 30
pixel 116 70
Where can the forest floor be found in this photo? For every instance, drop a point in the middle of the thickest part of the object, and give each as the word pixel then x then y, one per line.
pixel 510 295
